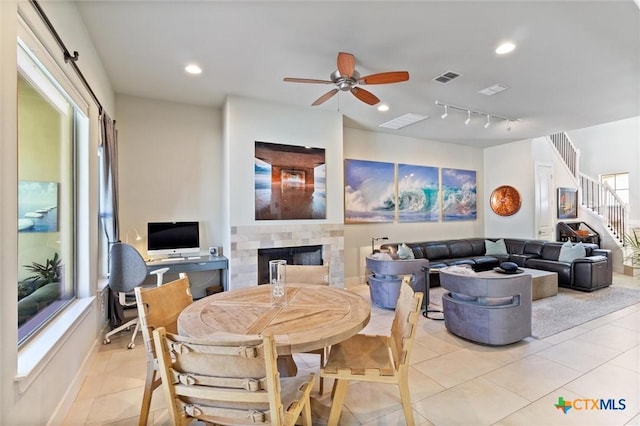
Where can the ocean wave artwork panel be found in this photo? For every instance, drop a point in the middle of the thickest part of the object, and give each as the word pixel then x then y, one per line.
pixel 459 195
pixel 418 193
pixel 369 191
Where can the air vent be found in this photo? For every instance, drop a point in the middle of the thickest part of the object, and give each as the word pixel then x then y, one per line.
pixel 447 77
pixel 403 121
pixel 492 90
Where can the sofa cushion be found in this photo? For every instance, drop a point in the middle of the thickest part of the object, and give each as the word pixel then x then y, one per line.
pixel 436 250
pixel 570 252
pixel 460 248
pixel 497 248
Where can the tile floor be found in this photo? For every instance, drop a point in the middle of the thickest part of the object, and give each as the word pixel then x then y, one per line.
pixel 452 382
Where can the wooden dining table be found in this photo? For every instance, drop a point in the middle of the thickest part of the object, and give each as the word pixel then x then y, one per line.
pixel 315 316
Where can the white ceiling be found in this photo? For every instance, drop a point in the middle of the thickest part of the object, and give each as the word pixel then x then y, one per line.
pixel 576 64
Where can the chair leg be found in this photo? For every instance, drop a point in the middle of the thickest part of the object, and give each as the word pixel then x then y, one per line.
pixel 124 326
pixel 405 398
pixel 321 383
pixel 146 395
pixel 339 392
pixel 132 344
pixel 306 413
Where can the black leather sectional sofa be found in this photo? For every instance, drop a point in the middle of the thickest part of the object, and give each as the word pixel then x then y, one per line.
pixel 588 273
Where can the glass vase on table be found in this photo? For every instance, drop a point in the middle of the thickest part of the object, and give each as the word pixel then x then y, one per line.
pixel 278 282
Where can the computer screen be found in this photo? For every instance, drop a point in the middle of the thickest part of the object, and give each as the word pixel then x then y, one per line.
pixel 173 238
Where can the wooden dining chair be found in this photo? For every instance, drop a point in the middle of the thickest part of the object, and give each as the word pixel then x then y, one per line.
pixel 310 274
pixel 158 307
pixel 383 359
pixel 229 380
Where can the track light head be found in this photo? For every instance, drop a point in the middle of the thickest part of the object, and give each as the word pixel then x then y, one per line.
pixel 468 120
pixel 446 112
pixel 488 123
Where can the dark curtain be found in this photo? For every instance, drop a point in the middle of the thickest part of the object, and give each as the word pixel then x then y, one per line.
pixel 108 208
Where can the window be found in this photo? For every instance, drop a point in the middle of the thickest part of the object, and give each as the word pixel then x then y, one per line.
pixel 49 126
pixel 619 182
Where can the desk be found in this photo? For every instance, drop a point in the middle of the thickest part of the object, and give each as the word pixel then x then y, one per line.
pixel 314 317
pixel 204 263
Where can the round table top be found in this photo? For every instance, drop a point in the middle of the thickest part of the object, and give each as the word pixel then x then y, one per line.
pixel 315 316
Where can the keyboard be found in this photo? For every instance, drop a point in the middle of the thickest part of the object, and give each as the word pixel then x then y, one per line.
pixel 172 259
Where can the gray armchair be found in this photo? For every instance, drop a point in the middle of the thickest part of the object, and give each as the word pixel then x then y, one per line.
pixel 494 310
pixel 387 275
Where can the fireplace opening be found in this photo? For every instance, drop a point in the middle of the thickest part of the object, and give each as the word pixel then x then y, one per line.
pixel 299 255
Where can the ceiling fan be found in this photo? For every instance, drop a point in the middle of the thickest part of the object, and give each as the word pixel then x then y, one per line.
pixel 346 78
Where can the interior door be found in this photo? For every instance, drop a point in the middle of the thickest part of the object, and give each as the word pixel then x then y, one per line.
pixel 544 201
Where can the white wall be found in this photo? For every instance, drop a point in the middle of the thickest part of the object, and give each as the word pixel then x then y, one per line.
pixel 170 169
pixel 514 164
pixel 41 394
pixel 510 164
pixel 250 120
pixel 613 148
pixel 363 145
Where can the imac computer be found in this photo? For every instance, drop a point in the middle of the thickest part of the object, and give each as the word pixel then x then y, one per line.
pixel 173 239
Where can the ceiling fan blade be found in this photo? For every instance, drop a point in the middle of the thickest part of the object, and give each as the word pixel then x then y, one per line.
pixel 385 77
pixel 322 99
pixel 365 96
pixel 306 80
pixel 346 64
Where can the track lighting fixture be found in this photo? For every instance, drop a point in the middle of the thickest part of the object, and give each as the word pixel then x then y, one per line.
pixel 446 112
pixel 491 118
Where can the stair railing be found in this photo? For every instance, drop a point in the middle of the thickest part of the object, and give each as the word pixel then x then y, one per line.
pixel 597 196
pixel 603 200
pixel 567 151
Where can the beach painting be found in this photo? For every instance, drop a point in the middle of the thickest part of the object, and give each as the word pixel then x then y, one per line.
pixel 37 206
pixel 459 195
pixel 369 192
pixel 290 182
pixel 418 193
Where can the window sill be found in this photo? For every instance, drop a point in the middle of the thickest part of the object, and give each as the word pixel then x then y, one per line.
pixel 34 356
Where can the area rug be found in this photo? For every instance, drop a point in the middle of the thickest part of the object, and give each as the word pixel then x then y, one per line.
pixel 569 308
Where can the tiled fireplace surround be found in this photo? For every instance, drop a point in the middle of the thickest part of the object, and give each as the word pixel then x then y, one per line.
pixel 247 239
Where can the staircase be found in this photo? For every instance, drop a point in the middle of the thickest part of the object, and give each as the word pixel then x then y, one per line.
pixel 595 196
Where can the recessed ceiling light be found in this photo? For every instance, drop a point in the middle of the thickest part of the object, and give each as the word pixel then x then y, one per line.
pixel 383 107
pixel 505 48
pixel 193 69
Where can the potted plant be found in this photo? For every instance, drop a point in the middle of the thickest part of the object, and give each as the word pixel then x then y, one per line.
pixel 43 275
pixel 632 242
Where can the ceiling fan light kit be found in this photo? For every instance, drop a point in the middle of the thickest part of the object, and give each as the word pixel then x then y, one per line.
pixel 346 78
pixel 490 118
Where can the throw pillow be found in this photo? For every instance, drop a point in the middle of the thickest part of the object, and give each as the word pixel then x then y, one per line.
pixel 570 252
pixel 404 252
pixel 498 248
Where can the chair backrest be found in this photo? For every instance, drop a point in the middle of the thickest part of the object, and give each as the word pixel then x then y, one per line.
pixel 307 274
pixel 228 380
pixel 403 328
pixel 160 307
pixel 127 268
